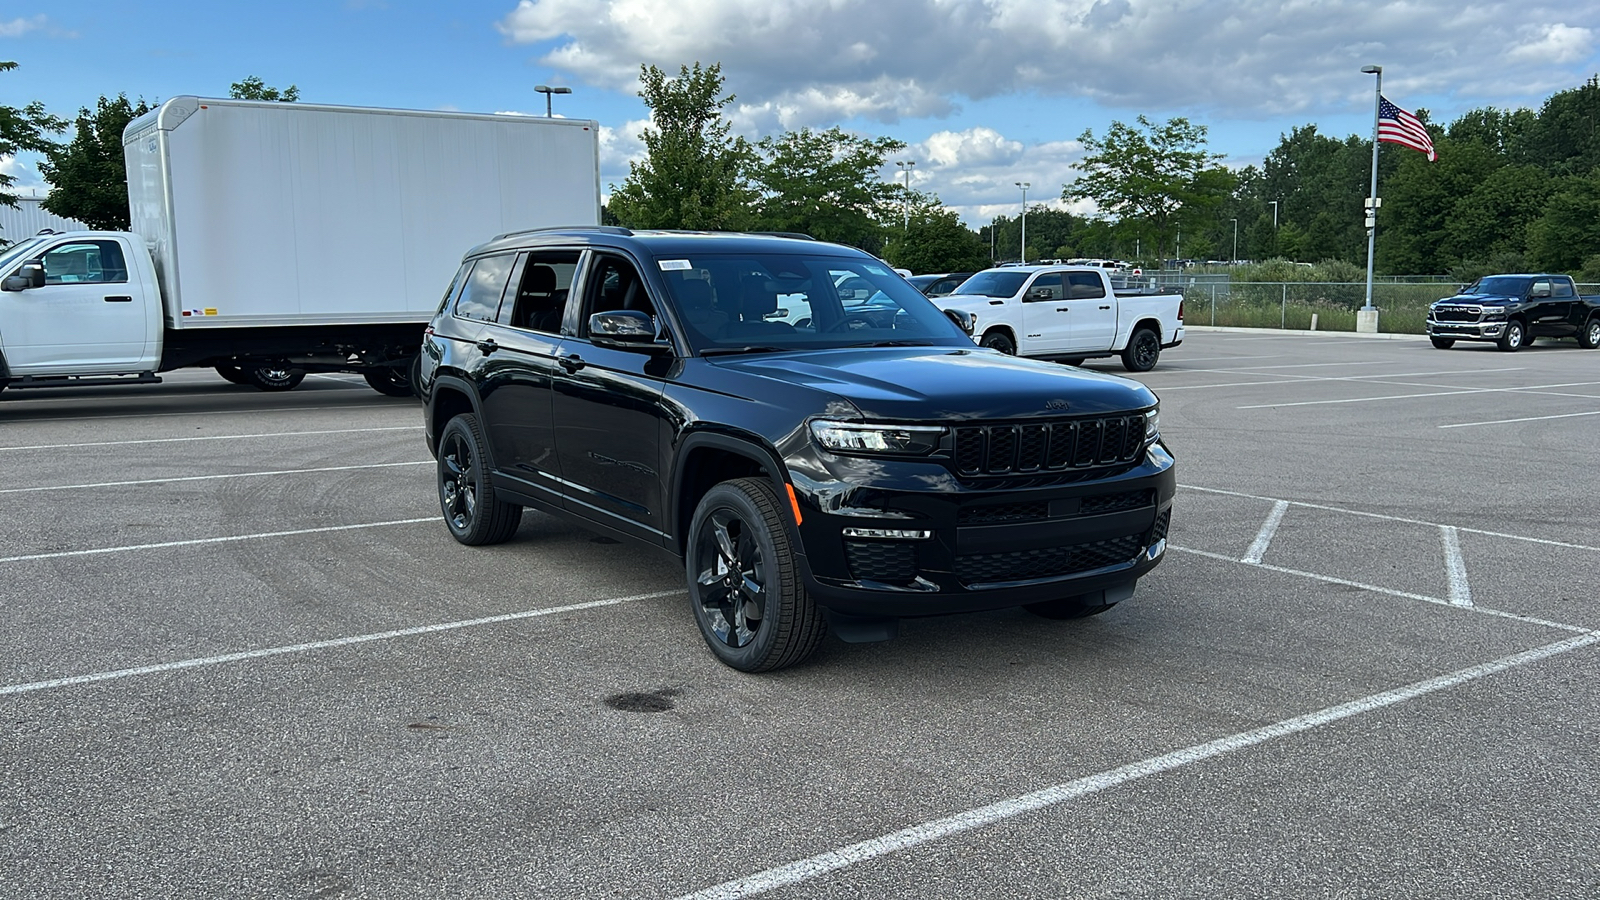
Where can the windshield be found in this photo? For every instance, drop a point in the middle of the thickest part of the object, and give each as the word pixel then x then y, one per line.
pixel 756 302
pixel 17 252
pixel 993 284
pixel 1499 286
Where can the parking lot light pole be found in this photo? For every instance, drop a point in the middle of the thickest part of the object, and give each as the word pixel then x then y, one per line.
pixel 547 90
pixel 1024 252
pixel 1235 240
pixel 1367 316
pixel 905 204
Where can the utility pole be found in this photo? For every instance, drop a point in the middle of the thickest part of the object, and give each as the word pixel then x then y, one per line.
pixel 1024 185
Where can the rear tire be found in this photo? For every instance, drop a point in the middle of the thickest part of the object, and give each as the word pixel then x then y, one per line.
pixel 1589 337
pixel 472 511
pixel 391 381
pixel 1142 352
pixel 744 586
pixel 999 340
pixel 274 378
pixel 1443 343
pixel 1515 338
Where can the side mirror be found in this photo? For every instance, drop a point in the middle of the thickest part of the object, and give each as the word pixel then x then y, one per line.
pixel 624 329
pixel 15 283
pixel 1040 294
pixel 964 320
pixel 1542 290
pixel 31 275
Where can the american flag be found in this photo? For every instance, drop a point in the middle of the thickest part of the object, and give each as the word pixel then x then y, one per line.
pixel 1396 126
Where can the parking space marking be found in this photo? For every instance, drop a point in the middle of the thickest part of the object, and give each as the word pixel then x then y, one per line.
pixel 209 412
pixel 1388 518
pixel 309 646
pixel 1525 419
pixel 1258 547
pixel 1532 388
pixel 1455 567
pixel 211 437
pixel 102 484
pixel 98 551
pixel 833 860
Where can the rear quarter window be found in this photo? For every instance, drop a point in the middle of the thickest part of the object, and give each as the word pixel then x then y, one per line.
pixel 486 285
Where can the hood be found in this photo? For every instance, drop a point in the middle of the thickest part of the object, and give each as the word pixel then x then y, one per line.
pixel 948 384
pixel 1477 299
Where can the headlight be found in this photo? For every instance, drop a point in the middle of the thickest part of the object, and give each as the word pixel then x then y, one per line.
pixel 1152 424
pixel 1494 312
pixel 854 437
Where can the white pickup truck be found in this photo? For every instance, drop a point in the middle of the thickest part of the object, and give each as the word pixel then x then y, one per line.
pixel 274 239
pixel 1068 314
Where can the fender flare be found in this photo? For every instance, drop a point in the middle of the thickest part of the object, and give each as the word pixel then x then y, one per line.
pixel 743 444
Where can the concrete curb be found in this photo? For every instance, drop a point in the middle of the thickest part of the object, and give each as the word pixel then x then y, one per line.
pixel 1382 336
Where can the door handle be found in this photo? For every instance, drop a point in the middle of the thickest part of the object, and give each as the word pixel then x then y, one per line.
pixel 1067 308
pixel 487 347
pixel 571 363
pixel 1105 307
pixel 119 299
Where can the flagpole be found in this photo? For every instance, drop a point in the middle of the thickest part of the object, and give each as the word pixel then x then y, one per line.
pixel 1367 319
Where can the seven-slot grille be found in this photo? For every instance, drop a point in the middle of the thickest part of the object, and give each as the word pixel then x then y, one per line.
pixel 1048 446
pixel 1457 313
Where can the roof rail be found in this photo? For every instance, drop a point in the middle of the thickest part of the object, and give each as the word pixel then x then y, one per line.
pixel 784 234
pixel 602 229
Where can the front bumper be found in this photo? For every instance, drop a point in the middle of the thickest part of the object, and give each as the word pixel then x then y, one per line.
pixel 979 546
pixel 1467 331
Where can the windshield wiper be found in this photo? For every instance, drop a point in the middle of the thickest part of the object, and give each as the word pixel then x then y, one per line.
pixel 730 351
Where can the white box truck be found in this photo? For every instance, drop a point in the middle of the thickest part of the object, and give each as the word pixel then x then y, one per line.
pixel 273 239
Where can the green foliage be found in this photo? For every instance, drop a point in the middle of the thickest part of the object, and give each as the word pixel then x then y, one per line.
pixel 936 241
pixel 825 184
pixel 1152 178
pixel 253 88
pixel 88 174
pixel 24 129
pixel 1590 273
pixel 1569 231
pixel 693 175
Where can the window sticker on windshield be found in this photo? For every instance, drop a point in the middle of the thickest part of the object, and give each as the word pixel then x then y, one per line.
pixel 674 265
pixel 875 270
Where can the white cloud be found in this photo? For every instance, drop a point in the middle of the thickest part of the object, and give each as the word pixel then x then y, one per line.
pixel 19 27
pixel 813 62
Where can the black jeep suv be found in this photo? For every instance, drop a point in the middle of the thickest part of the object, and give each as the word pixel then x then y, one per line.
pixel 812 456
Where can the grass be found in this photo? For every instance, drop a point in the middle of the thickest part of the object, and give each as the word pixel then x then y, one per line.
pixel 1402 308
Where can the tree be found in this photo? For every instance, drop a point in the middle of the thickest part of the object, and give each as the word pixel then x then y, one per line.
pixel 693 174
pixel 253 88
pixel 88 173
pixel 935 241
pixel 825 184
pixel 22 130
pixel 1569 231
pixel 1153 178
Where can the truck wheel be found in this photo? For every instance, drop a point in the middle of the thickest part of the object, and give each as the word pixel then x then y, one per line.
pixel 233 374
pixel 1443 343
pixel 390 381
pixel 472 512
pixel 274 378
pixel 1143 349
pixel 999 340
pixel 744 586
pixel 1514 338
pixel 1589 337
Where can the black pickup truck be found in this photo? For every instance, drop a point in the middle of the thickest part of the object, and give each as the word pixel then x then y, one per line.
pixel 809 459
pixel 1512 310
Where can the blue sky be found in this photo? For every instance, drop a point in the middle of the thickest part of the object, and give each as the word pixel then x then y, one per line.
pixel 986 92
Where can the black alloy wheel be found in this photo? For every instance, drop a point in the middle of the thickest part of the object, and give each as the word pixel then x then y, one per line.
pixel 1443 343
pixel 744 586
pixel 1143 349
pixel 472 512
pixel 274 378
pixel 1514 338
pixel 999 340
pixel 1589 337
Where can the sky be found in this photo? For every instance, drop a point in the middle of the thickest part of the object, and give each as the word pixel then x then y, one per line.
pixel 985 93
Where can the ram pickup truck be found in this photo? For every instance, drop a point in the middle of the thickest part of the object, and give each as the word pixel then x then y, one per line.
pixel 270 240
pixel 1068 314
pixel 809 459
pixel 1512 310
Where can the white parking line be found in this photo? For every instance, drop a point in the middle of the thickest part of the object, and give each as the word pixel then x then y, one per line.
pixel 1258 547
pixel 1526 419
pixel 318 645
pixel 209 412
pixel 1508 390
pixel 1455 567
pixel 212 437
pixel 815 866
pixel 102 484
pixel 98 551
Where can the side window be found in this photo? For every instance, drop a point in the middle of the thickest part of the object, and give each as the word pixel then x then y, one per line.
pixel 1084 286
pixel 450 292
pixel 85 262
pixel 486 284
pixel 613 284
pixel 1540 289
pixel 540 299
pixel 1562 288
pixel 1045 287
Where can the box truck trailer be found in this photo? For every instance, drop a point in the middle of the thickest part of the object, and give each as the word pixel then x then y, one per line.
pixel 269 240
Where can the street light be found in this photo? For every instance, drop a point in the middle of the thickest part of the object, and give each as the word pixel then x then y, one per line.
pixel 1372 198
pixel 1235 240
pixel 905 204
pixel 547 90
pixel 1024 185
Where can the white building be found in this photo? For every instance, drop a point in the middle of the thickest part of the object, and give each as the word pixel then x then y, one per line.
pixel 29 217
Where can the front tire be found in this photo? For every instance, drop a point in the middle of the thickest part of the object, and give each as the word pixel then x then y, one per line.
pixel 999 340
pixel 274 378
pixel 472 512
pixel 1440 343
pixel 1589 337
pixel 1143 349
pixel 1515 338
pixel 744 586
